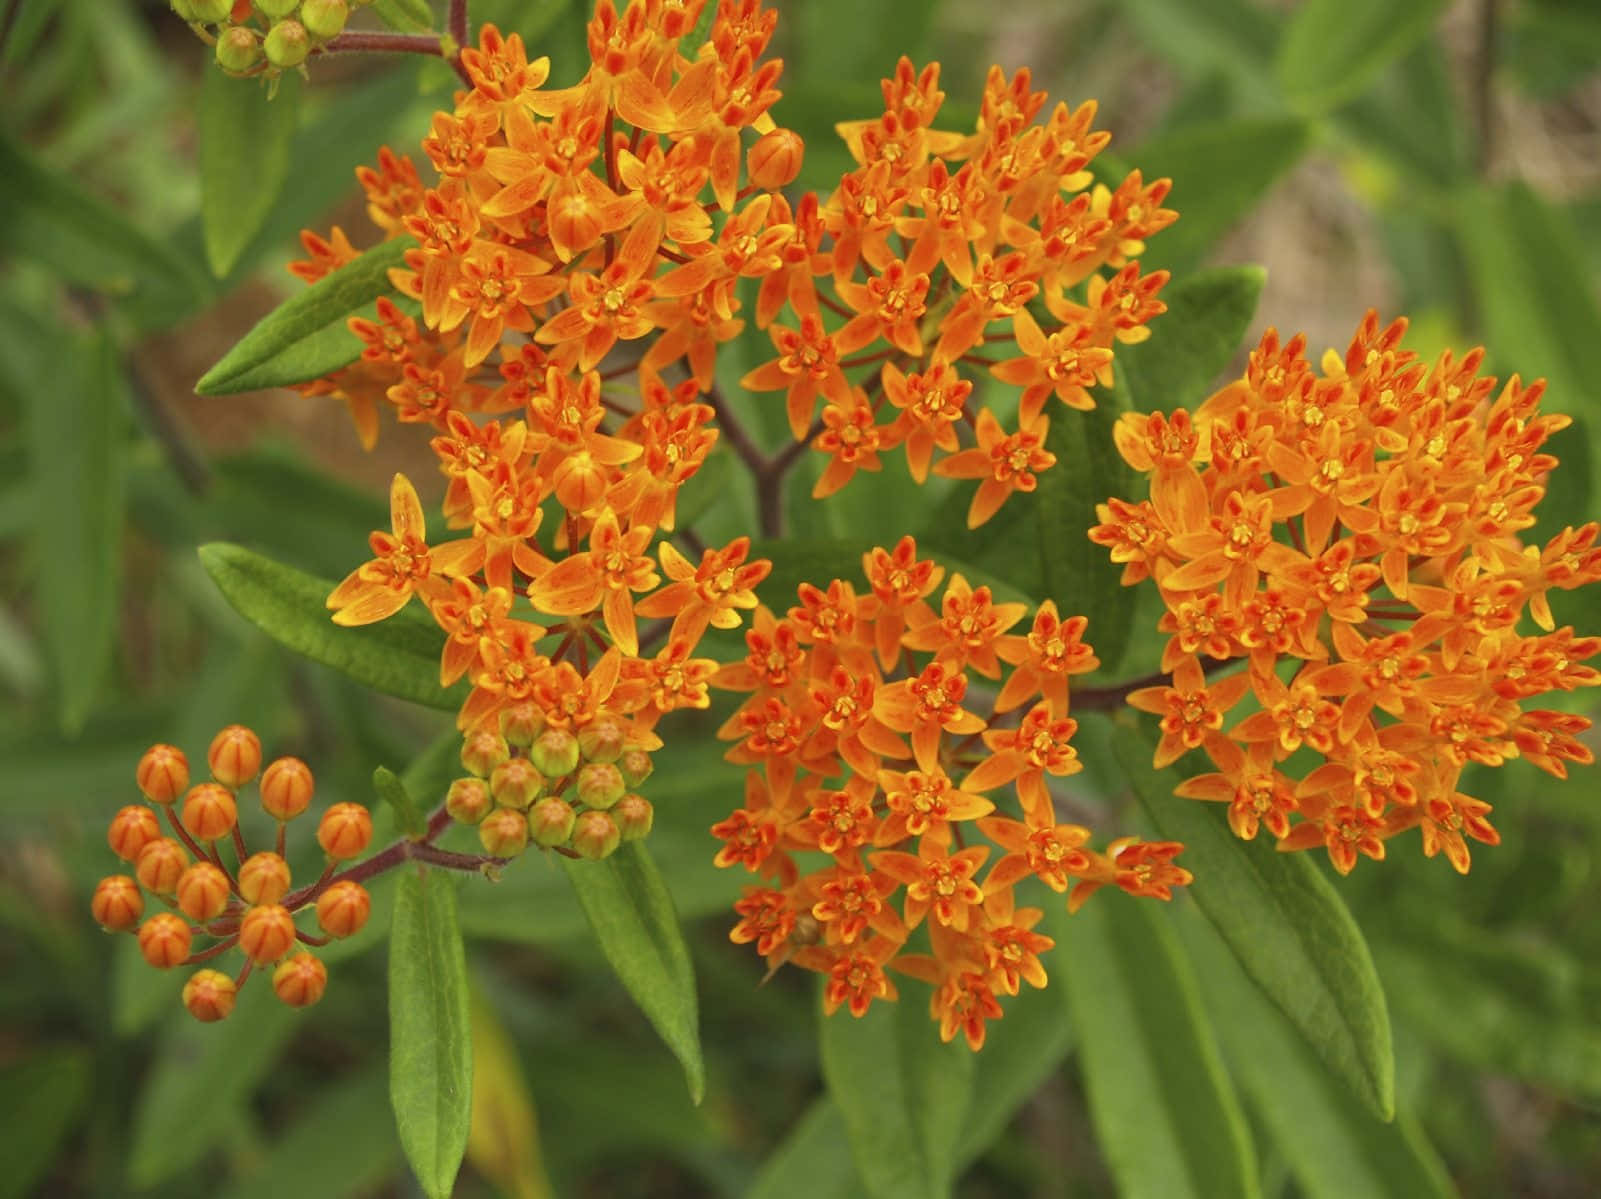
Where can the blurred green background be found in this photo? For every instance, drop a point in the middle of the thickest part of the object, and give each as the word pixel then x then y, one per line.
pixel 1438 160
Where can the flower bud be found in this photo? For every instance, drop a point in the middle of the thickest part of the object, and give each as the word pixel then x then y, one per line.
pixel 634 816
pixel 602 739
pixel 202 892
pixel 209 811
pixel 324 19
pixel 343 908
pixel 181 7
pixel 595 836
pixel 234 756
pixel 636 766
pixel 266 933
pixel 521 723
pixel 208 11
pixel 161 864
pixel 117 904
pixel 300 981
pixel 551 822
pixel 344 831
pixel 287 44
pixel 468 801
pixel 274 9
pixel 209 995
pixel 554 753
pixel 515 783
pixel 263 878
pixel 775 159
pixel 600 784
pixel 286 788
pixel 163 773
pixel 131 829
pixel 238 49
pixel 164 940
pixel 482 751
pixel 504 833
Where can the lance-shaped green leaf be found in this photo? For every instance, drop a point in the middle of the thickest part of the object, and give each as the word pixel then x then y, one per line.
pixel 430 1034
pixel 1334 48
pixel 903 1096
pixel 244 159
pixel 341 1142
pixel 41 1096
pixel 393 792
pixel 812 1162
pixel 1286 924
pixel 632 916
pixel 398 656
pixel 306 315
pixel 1165 1113
pixel 1207 315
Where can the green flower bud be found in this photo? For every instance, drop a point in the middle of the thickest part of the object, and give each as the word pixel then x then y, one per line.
pixel 238 49
pixel 515 783
pixel 595 836
pixel 521 723
pixel 273 9
pixel 636 766
pixel 602 740
pixel 468 801
pixel 287 44
pixel 207 12
pixel 634 816
pixel 324 19
pixel 504 833
pixel 600 784
pixel 555 753
pixel 484 750
pixel 551 821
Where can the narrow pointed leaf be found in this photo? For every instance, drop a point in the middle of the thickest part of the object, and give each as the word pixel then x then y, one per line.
pixel 1333 49
pixel 430 1037
pixel 812 1162
pixel 393 791
pixel 318 354
pixel 341 1142
pixel 903 1096
pixel 398 656
pixel 1286 924
pixel 632 916
pixel 41 1095
pixel 244 159
pixel 1207 315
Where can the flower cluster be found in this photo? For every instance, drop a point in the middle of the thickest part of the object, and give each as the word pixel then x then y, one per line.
pixel 248 905
pixel 255 37
pixel 873 771
pixel 1355 538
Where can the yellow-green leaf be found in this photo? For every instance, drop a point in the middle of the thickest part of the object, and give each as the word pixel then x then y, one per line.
pixel 245 139
pixel 1333 49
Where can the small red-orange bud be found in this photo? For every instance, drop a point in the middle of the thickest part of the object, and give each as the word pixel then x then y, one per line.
pixel 164 940
pixel 266 933
pixel 300 981
pixel 775 159
pixel 343 908
pixel 484 750
pixel 599 784
pixel 602 739
pixel 634 816
pixel 521 723
pixel 596 835
pixel 234 756
pixel 636 766
pixel 117 904
pixel 163 773
pixel 263 878
pixel 515 783
pixel 286 788
pixel 160 865
pixel 504 833
pixel 344 831
pixel 551 821
pixel 554 753
pixel 209 811
pixel 209 995
pixel 131 829
pixel 202 892
pixel 468 801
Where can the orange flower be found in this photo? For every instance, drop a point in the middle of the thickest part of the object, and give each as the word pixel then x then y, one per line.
pixel 1006 463
pixel 402 564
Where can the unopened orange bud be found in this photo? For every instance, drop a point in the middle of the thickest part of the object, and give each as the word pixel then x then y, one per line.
pixel 209 995
pixel 209 811
pixel 596 835
pixel 344 831
pixel 286 788
pixel 161 864
pixel 164 940
pixel 468 801
pixel 515 783
pixel 234 756
pixel 554 753
pixel 634 816
pixel 484 750
pixel 600 784
pixel 163 773
pixel 117 904
pixel 202 892
pixel 602 740
pixel 300 981
pixel 504 833
pixel 263 878
pixel 636 766
pixel 266 933
pixel 775 159
pixel 521 723
pixel 343 908
pixel 131 829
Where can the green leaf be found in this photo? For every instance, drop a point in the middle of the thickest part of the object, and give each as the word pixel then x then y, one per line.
pixel 903 1096
pixel 341 1142
pixel 430 1036
pixel 1431 145
pixel 321 353
pixel 632 915
pixel 327 302
pixel 811 1162
pixel 393 792
pixel 1207 316
pixel 1287 925
pixel 1165 1114
pixel 1334 48
pixel 41 1096
pixel 1334 1144
pixel 244 159
pixel 409 16
pixel 398 656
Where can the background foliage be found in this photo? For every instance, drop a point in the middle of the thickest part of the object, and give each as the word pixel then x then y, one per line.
pixel 1430 158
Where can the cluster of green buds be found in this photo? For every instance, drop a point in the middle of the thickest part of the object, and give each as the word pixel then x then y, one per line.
pixel 256 37
pixel 571 791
